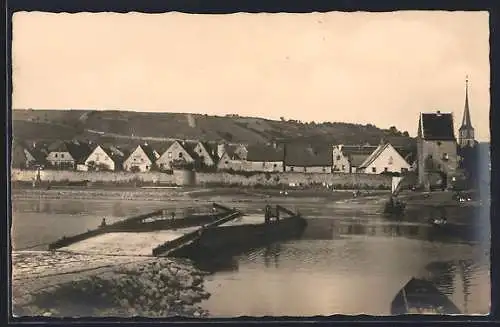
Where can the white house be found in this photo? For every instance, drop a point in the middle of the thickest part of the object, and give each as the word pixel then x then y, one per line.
pixel 340 160
pixel 384 159
pixel 229 159
pixel 141 159
pixel 104 158
pixel 176 151
pixel 264 158
pixel 308 159
pixel 205 153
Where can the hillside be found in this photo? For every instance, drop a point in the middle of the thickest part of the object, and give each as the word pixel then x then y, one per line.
pixel 125 127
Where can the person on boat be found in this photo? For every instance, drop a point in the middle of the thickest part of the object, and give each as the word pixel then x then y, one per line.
pixel 103 222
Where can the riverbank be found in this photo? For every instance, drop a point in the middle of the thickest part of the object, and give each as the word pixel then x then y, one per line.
pixel 193 194
pixel 68 285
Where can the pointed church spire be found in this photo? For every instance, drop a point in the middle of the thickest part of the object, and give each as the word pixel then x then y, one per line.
pixel 466 122
pixel 466 131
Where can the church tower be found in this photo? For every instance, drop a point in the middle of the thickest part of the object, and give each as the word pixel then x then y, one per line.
pixel 466 131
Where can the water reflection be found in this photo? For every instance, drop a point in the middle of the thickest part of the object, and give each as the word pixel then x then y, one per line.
pixel 271 255
pixel 454 279
pixel 330 229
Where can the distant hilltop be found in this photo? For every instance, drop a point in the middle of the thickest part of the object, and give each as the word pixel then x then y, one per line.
pixel 121 126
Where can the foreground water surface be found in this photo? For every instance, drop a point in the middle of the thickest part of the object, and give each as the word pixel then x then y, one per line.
pixel 350 259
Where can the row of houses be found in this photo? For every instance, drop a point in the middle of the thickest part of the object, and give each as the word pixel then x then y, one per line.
pixel 84 156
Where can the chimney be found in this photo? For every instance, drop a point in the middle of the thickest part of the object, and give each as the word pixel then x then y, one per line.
pixel 439 113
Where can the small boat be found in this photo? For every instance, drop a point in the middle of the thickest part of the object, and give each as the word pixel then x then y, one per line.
pixel 420 296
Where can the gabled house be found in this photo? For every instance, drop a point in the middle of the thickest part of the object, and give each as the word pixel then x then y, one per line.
pixel 207 153
pixel 241 150
pixel 264 158
pixel 436 148
pixel 385 158
pixel 27 157
pixel 105 157
pixel 141 159
pixel 340 161
pixel 308 159
pixel 355 155
pixel 230 160
pixel 67 154
pixel 176 152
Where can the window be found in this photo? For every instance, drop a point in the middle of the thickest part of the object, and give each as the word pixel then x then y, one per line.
pixel 226 162
pixel 374 169
pixel 180 154
pixel 275 165
pixel 404 170
pixel 390 160
pixel 263 164
pixel 161 166
pixel 291 168
pixel 343 167
pixel 445 156
pixel 305 170
pixel 169 154
pixel 55 155
pixel 147 167
pixel 438 143
pixel 439 166
pixel 338 157
pixel 324 169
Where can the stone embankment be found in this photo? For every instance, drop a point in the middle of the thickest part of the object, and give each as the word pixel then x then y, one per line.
pixel 76 285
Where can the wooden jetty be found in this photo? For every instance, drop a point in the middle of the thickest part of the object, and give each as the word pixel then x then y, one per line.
pixel 231 238
pixel 419 296
pixel 153 221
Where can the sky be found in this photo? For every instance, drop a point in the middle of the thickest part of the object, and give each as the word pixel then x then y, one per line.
pixel 377 68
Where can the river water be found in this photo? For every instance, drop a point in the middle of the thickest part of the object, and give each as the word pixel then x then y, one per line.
pixel 350 260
